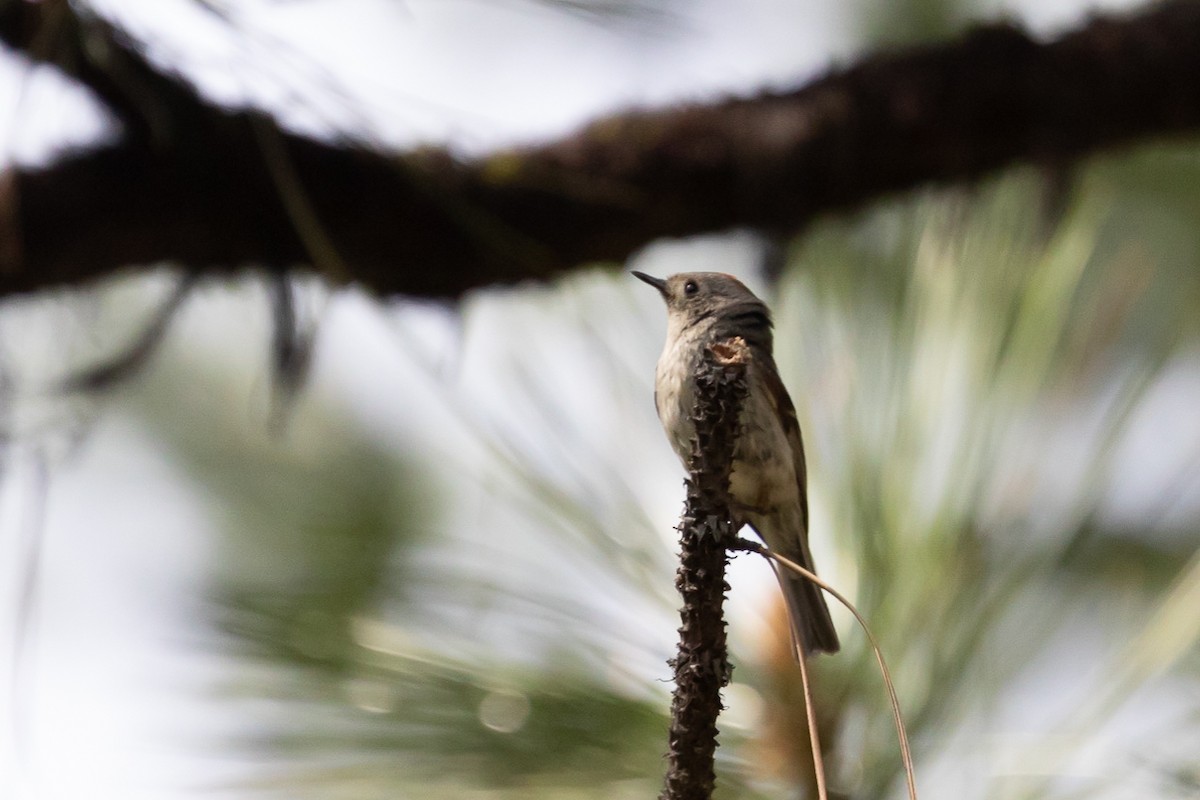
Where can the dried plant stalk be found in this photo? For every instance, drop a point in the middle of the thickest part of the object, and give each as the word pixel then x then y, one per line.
pixel 702 666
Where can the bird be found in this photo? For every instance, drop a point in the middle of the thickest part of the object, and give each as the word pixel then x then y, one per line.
pixel 767 481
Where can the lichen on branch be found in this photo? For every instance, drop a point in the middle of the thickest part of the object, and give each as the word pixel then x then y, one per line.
pixel 187 181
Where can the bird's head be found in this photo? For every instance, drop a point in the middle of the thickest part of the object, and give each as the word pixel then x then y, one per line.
pixel 693 297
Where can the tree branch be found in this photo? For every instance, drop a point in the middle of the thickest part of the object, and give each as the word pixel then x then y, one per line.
pixel 701 666
pixel 188 184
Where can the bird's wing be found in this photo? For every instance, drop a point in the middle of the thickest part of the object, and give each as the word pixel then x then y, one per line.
pixel 786 412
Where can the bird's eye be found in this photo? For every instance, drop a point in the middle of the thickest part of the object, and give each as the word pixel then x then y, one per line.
pixel 690 288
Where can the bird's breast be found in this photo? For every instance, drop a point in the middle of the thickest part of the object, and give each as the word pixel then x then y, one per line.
pixel 674 395
pixel 764 471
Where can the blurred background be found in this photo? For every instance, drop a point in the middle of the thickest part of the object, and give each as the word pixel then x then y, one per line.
pixel 445 567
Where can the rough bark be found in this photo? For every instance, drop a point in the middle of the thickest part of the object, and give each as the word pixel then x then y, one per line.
pixel 701 665
pixel 215 190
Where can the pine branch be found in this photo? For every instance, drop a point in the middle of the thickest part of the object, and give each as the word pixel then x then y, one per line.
pixel 702 666
pixel 188 182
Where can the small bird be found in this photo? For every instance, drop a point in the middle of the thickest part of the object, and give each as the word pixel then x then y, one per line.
pixel 767 480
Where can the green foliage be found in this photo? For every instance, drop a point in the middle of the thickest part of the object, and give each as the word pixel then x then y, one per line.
pixel 490 618
pixel 951 347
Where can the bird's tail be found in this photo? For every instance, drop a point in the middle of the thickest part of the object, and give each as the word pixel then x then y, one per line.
pixel 812 628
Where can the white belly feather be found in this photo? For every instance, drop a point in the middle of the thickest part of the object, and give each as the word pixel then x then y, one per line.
pixel 764 471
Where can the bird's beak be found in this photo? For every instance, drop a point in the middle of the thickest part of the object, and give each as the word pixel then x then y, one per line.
pixel 657 283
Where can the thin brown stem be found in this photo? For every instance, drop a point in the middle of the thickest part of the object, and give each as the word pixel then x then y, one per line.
pixel 814 736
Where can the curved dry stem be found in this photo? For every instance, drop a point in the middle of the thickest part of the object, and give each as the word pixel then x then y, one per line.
pixel 905 752
pixel 813 735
